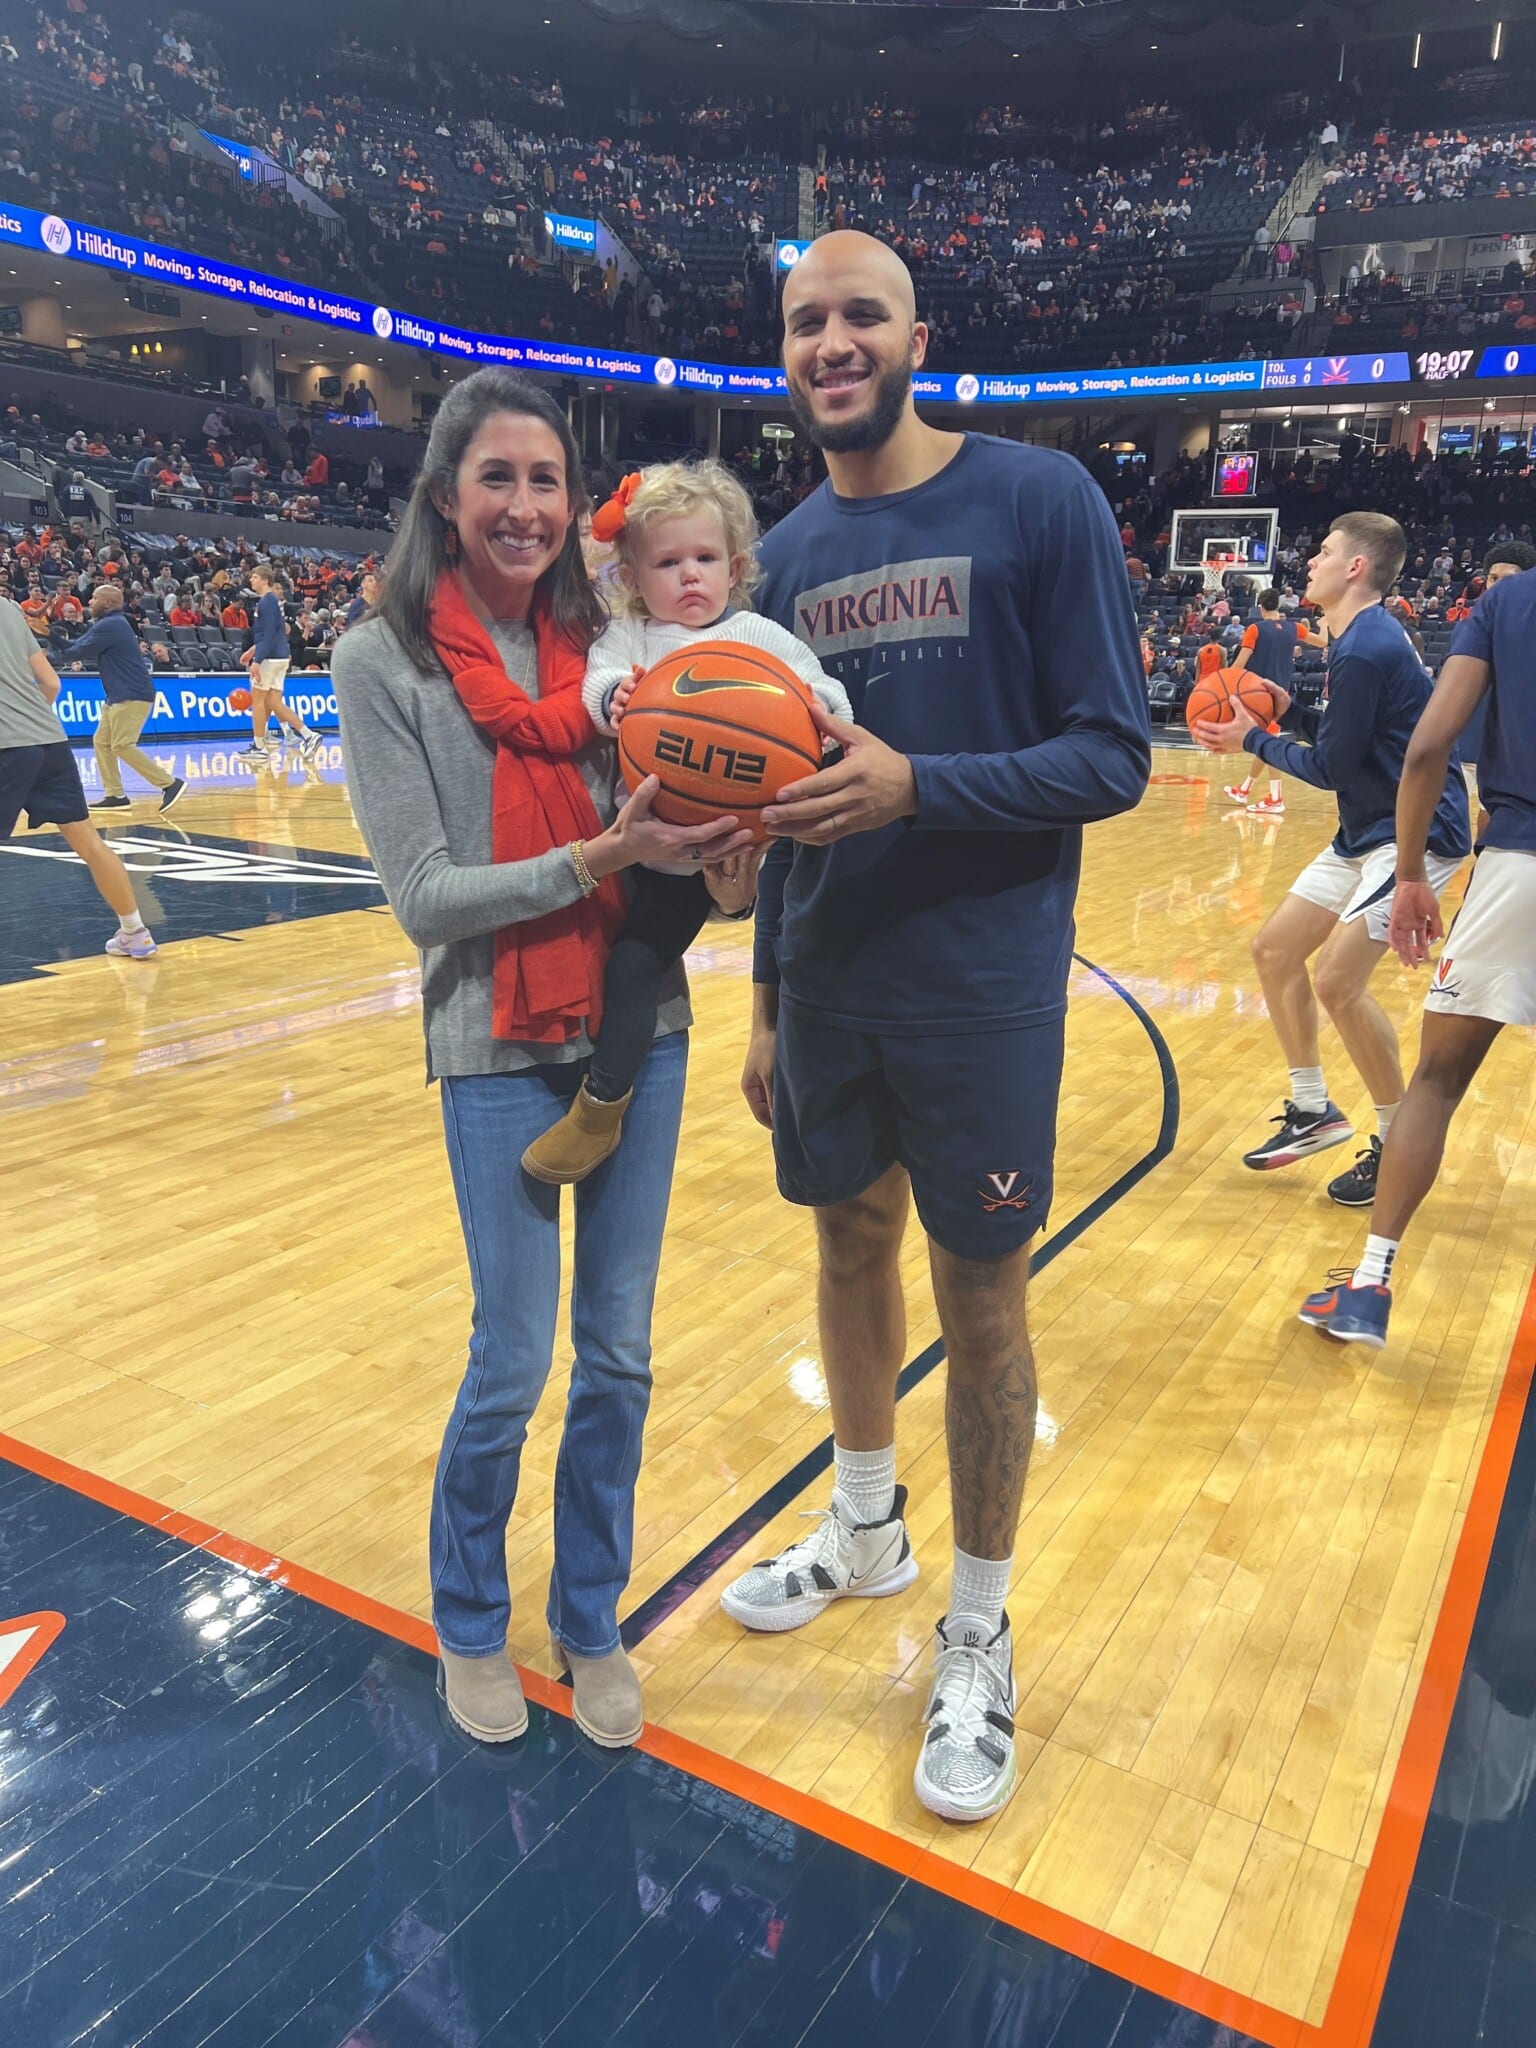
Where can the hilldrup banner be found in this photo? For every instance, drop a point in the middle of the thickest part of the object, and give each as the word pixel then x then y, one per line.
pixel 187 704
pixel 76 241
pixel 571 231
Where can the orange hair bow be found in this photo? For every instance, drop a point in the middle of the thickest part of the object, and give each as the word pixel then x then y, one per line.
pixel 608 520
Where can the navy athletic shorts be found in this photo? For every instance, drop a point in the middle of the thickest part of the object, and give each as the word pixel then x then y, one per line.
pixel 45 783
pixel 971 1115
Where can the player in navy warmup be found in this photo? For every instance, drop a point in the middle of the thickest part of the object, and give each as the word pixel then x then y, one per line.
pixel 914 939
pixel 1268 651
pixel 1339 904
pixel 1486 977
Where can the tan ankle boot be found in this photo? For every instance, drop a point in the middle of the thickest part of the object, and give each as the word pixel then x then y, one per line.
pixel 584 1137
pixel 485 1696
pixel 606 1691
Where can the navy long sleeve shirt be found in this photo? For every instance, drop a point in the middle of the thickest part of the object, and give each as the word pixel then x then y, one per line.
pixel 1377 687
pixel 269 640
pixel 1502 632
pixel 982 625
pixel 111 647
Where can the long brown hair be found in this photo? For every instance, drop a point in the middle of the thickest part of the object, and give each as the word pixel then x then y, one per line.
pixel 420 550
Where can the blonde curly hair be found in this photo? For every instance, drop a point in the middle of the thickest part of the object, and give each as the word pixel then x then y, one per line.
pixel 674 490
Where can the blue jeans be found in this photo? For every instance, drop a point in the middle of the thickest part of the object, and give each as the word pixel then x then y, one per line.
pixel 512 1235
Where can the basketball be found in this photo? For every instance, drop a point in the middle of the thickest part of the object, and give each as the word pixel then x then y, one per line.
pixel 725 727
pixel 1212 697
pixel 239 700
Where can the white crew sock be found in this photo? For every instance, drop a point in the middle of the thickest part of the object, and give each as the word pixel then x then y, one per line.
pixel 1385 1111
pixel 979 1590
pixel 130 921
pixel 1274 792
pixel 867 1481
pixel 1375 1267
pixel 1309 1091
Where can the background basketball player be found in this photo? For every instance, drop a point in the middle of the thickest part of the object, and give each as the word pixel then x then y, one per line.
pixel 1268 651
pixel 1339 905
pixel 913 953
pixel 38 775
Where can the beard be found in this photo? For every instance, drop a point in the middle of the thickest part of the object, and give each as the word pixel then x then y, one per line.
pixel 872 428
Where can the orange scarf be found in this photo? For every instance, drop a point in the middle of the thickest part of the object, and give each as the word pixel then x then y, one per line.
pixel 548 975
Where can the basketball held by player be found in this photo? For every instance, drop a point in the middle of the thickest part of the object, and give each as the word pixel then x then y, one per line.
pixel 1338 907
pixel 914 937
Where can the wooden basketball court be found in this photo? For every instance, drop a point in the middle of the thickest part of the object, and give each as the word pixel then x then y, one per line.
pixel 231 1280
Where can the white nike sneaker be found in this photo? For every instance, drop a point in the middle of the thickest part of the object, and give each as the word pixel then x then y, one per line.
pixel 841 1559
pixel 968 1768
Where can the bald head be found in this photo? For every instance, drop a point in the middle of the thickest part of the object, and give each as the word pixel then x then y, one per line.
pixel 847 264
pixel 852 340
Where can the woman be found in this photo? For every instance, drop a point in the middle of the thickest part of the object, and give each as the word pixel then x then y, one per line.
pixel 487 803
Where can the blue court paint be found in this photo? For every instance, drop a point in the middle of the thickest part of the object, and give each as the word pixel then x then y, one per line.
pixel 230 1816
pixel 189 885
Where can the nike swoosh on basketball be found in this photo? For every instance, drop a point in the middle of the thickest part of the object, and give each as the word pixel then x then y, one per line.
pixel 690 685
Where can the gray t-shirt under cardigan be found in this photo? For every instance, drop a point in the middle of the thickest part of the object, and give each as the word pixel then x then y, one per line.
pixel 419 770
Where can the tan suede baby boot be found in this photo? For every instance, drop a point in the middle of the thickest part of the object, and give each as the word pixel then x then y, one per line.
pixel 584 1137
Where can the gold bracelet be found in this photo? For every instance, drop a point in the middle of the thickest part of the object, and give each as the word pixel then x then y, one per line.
pixel 584 874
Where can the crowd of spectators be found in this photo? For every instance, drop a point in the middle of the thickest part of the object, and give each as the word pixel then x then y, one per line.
pixel 239 464
pixel 189 601
pixel 1031 260
pixel 430 179
pixel 1427 165
pixel 434 182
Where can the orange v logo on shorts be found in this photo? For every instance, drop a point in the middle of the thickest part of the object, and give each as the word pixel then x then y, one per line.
pixel 1002 1195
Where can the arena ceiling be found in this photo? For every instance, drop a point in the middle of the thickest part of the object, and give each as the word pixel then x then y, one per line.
pixel 831 46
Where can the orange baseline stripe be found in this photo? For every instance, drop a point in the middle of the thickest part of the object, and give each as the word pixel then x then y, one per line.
pixel 1362 1972
pixel 908 1859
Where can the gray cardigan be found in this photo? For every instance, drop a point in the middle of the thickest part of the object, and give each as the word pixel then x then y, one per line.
pixel 419 770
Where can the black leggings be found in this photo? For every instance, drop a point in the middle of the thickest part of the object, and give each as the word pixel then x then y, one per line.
pixel 666 914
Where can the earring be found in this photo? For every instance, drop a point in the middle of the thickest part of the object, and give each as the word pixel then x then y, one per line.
pixel 451 542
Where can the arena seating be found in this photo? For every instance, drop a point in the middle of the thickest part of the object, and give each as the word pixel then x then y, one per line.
pixel 1477 161
pixel 440 184
pixel 1103 250
pixel 437 178
pixel 242 474
pixel 1027 261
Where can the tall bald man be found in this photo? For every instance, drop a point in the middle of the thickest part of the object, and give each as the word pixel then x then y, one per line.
pixel 913 942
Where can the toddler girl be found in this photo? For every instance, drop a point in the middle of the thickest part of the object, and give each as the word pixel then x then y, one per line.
pixel 683 536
